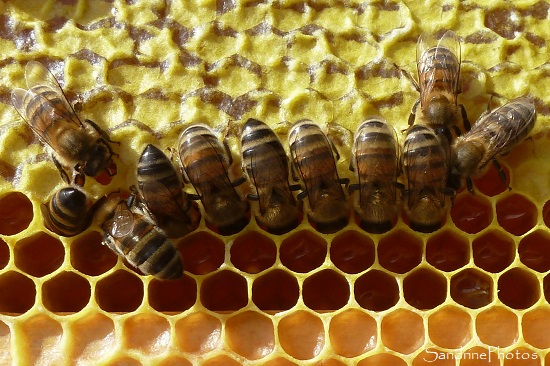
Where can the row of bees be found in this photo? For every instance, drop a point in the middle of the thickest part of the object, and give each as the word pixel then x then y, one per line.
pixel 423 172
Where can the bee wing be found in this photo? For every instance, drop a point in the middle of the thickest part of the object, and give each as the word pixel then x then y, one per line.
pixel 158 197
pixel 122 222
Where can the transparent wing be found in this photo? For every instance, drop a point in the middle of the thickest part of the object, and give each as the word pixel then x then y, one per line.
pixel 160 200
pixel 122 222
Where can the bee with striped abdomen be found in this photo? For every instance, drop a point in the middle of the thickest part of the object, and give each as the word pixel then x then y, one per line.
pixel 313 158
pixel 206 162
pixel 161 194
pixel 375 160
pixel 82 146
pixel 68 213
pixel 265 161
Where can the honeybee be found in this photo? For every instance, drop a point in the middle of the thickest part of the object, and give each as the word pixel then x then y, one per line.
pixel 265 161
pixel 68 213
pixel 313 157
pixel 494 133
pixel 161 194
pixel 82 146
pixel 426 166
pixel 376 164
pixel 205 163
pixel 438 65
pixel 131 235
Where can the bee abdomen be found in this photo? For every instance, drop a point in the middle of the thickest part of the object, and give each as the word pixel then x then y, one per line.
pixel 67 213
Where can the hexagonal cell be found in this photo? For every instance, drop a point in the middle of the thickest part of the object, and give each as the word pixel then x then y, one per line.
pixel 198 333
pixel 90 256
pixel 493 251
pixel 471 213
pixel 121 291
pixel 434 356
pixel 276 290
pixel 352 341
pixel 201 252
pixel 303 251
pixel 250 334
pixel 92 335
pixel 301 334
pixel 221 360
pixel 518 288
pixel 425 288
pixel 352 252
pixel 15 213
pixel 316 296
pixel 17 293
pixel 253 252
pixel 472 288
pixel 479 356
pixel 447 251
pixel 400 251
pixel 376 290
pixel 172 296
pixel 382 359
pixel 39 255
pixel 67 292
pixel 4 254
pixel 535 325
pixel 41 340
pixel 450 327
pixel 174 361
pixel 5 343
pixel 534 251
pixel 402 331
pixel 522 356
pixel 497 327
pixel 490 183
pixel 516 214
pixel 146 333
pixel 224 291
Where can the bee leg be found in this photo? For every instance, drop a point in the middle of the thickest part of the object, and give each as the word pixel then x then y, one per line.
pixel 228 150
pixel 252 197
pixel 412 116
pixel 102 133
pixel 62 171
pixel 302 195
pixel 295 187
pixel 465 120
pixel 501 172
pixel 334 150
pixel 408 76
pixel 193 197
pixel 353 187
pixel 238 182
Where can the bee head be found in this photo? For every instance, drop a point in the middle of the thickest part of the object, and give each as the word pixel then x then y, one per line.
pixel 99 157
pixel 440 111
pixel 465 157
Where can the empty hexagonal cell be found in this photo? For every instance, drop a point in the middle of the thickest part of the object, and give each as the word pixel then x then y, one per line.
pixel 250 334
pixel 222 360
pixel 92 335
pixel 490 183
pixel 4 254
pixel 516 214
pixel 352 252
pixel 276 290
pixel 400 251
pixel 376 290
pixel 472 288
pixel 301 334
pixel 5 343
pixel 434 356
pixel 90 256
pixel 303 251
pixel 316 296
pixel 471 213
pixel 450 327
pixel 253 252
pixel 67 292
pixel 121 291
pixel 172 296
pixel 146 333
pixel 493 251
pixel 518 288
pixel 15 213
pixel 352 333
pixel 17 293
pixel 425 288
pixel 535 325
pixel 497 326
pixel 201 252
pixel 382 359
pixel 447 251
pixel 534 251
pixel 41 340
pixel 224 291
pixel 402 331
pixel 198 333
pixel 479 356
pixel 39 255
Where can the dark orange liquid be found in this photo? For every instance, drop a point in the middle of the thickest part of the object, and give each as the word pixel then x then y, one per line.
pixel 276 290
pixel 253 252
pixel 303 251
pixel 516 214
pixel 399 252
pixel 352 252
pixel 201 253
pixel 224 291
pixel 15 213
pixel 174 295
pixel 471 213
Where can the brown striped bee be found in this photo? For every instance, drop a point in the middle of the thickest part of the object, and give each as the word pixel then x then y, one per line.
pixel 82 146
pixel 494 134
pixel 313 157
pixel 376 162
pixel 426 166
pixel 265 161
pixel 161 194
pixel 130 234
pixel 68 213
pixel 205 162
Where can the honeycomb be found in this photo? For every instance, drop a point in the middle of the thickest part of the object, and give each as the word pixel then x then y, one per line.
pixel 475 292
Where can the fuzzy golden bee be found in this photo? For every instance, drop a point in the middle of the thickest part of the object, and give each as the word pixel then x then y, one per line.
pixel 68 213
pixel 494 134
pixel 314 159
pixel 375 160
pixel 81 146
pixel 161 194
pixel 265 161
pixel 206 163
